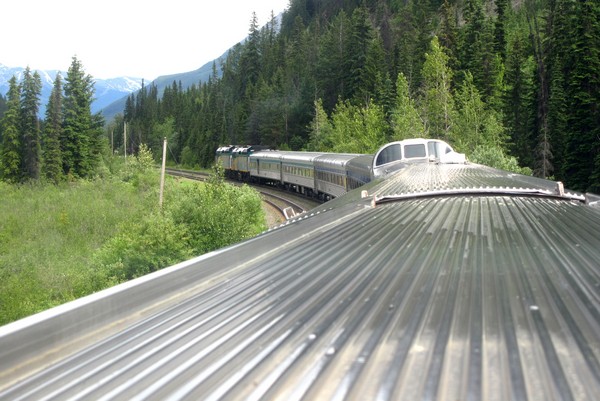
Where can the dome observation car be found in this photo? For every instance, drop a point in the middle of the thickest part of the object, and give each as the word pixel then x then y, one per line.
pixel 395 155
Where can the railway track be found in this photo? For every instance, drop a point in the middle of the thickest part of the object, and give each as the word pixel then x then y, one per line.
pixel 275 199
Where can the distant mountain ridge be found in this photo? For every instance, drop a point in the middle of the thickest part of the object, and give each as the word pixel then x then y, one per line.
pixel 111 94
pixel 107 91
pixel 187 79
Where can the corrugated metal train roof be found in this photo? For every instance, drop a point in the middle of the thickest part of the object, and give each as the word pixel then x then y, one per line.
pixel 437 298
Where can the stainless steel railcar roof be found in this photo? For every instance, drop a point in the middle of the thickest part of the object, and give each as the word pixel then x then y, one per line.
pixel 479 296
pixel 266 154
pixel 334 159
pixel 304 157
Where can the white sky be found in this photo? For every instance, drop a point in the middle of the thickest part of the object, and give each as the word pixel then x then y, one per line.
pixel 136 38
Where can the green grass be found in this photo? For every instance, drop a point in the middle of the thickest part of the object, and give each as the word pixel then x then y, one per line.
pixel 48 236
pixel 58 243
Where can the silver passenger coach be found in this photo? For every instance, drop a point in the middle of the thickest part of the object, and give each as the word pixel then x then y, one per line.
pixel 440 282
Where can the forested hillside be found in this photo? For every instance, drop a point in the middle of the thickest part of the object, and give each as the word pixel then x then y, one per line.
pixel 504 80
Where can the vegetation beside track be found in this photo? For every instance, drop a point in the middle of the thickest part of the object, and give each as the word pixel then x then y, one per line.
pixel 58 243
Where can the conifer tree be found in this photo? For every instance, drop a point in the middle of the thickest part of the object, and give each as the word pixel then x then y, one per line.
pixel 448 34
pixel 543 155
pixel 406 121
pixel 76 140
pixel 320 137
pixel 583 92
pixel 2 110
pixel 31 89
pixel 437 102
pixel 10 160
pixel 502 7
pixel 332 79
pixel 250 59
pixel 519 95
pixel 359 43
pixel 52 166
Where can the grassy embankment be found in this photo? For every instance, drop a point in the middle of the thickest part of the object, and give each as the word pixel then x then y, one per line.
pixel 58 243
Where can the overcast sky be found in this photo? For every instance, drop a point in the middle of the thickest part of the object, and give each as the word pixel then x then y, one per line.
pixel 136 38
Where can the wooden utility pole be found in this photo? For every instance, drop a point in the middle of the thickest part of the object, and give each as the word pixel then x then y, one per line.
pixel 162 173
pixel 125 139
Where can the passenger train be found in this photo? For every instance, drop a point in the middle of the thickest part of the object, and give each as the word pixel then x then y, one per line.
pixel 329 175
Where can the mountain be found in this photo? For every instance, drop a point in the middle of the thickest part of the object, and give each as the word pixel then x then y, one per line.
pixel 107 91
pixel 187 79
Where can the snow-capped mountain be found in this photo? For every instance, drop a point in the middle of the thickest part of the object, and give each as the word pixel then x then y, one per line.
pixel 106 92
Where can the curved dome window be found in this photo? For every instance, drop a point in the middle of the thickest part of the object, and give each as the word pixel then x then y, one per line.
pixel 389 154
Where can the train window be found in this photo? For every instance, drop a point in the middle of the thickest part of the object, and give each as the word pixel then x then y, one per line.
pixel 432 149
pixel 389 154
pixel 416 150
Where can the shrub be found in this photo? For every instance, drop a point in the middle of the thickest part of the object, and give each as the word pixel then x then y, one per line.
pixel 197 218
pixel 143 247
pixel 495 157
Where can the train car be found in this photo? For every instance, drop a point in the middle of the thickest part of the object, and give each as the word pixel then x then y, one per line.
pixel 443 282
pixel 331 177
pixel 360 171
pixel 223 157
pixel 395 155
pixel 265 166
pixel 297 171
pixel 240 163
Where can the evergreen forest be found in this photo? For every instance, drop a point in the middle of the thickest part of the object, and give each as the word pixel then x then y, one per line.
pixel 66 144
pixel 513 83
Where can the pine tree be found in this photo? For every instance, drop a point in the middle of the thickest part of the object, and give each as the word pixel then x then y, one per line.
pixel 360 36
pixel 76 141
pixel 251 58
pixel 583 94
pixel 3 108
pixel 519 103
pixel 477 52
pixel 10 160
pixel 52 166
pixel 31 89
pixel 437 102
pixel 321 130
pixel 332 80
pixel 448 34
pixel 406 121
pixel 543 155
pixel 502 7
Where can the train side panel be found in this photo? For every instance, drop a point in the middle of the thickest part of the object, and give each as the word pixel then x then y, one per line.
pixel 266 166
pixel 297 171
pixel 331 175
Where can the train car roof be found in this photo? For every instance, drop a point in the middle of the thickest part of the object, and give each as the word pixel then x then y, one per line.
pixel 267 154
pixel 441 282
pixel 338 159
pixel 361 161
pixel 300 156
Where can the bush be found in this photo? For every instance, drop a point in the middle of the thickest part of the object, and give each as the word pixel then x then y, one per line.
pixel 197 218
pixel 495 157
pixel 143 247
pixel 217 214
